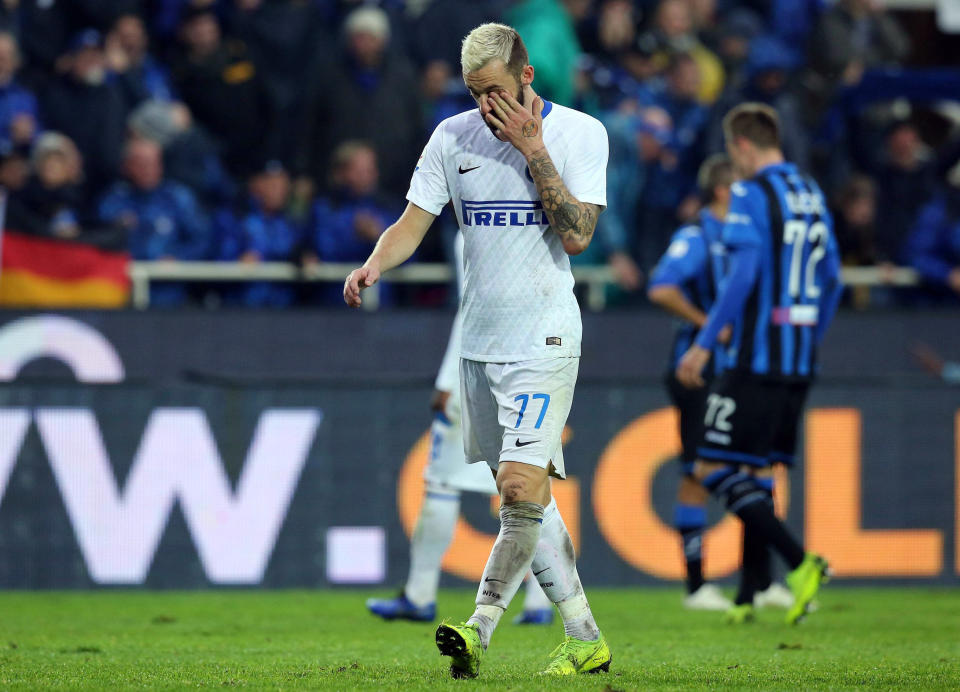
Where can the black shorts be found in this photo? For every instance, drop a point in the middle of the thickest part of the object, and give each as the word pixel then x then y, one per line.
pixel 691 403
pixel 752 419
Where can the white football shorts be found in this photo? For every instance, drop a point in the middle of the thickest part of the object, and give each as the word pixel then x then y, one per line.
pixel 447 467
pixel 517 411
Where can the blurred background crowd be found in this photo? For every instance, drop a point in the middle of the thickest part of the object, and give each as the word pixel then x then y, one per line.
pixel 264 130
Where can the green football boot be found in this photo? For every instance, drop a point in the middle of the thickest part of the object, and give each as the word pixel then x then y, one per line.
pixel 462 644
pixel 577 656
pixel 739 614
pixel 805 582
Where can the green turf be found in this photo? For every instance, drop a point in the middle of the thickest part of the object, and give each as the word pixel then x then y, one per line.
pixel 875 638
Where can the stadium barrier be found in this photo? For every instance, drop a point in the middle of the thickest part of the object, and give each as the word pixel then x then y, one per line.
pixel 189 449
pixel 597 279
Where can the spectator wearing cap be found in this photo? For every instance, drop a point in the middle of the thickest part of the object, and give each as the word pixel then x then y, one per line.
pixel 141 76
pixel 933 246
pixel 190 156
pixel 369 94
pixel 220 83
pixel 262 231
pixel 19 113
pixel 87 107
pixel 160 217
pixel 766 79
pixel 346 224
pixel 51 202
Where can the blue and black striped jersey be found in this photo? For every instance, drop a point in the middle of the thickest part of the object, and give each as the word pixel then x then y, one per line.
pixel 783 214
pixel 695 263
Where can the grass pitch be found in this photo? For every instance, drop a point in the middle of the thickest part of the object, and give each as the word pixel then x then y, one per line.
pixel 875 638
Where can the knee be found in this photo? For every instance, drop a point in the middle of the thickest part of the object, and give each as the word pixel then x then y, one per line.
pixel 514 489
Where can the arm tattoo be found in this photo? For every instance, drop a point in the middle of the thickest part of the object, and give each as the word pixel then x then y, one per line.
pixel 568 217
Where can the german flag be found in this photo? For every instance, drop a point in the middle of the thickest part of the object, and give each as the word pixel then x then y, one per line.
pixel 39 272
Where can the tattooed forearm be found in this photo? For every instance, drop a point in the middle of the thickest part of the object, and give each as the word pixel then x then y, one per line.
pixel 571 219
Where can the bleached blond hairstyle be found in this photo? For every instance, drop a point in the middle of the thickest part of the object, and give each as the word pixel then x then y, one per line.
pixel 491 41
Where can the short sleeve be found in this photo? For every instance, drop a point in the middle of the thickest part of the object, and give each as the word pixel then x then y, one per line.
pixel 428 186
pixel 747 212
pixel 585 168
pixel 683 260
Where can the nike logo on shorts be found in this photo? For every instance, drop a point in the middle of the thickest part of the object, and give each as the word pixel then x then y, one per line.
pixel 518 443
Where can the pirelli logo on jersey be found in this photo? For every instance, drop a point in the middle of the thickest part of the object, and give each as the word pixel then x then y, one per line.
pixel 503 213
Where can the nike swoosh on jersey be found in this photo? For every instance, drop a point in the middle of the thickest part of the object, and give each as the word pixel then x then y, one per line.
pixel 461 170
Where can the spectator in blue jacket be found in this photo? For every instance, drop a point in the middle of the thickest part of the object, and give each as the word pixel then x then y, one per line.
pixel 19 120
pixel 347 223
pixel 933 247
pixel 263 231
pixel 161 217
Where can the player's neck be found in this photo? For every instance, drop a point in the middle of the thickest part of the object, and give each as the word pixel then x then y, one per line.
pixel 766 157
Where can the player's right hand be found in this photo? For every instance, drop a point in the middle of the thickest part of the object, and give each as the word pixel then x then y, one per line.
pixel 356 281
pixel 691 365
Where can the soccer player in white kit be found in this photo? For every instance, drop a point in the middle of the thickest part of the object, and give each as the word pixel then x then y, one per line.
pixel 527 180
pixel 446 477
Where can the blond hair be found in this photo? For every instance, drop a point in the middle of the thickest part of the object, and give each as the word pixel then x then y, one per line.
pixel 716 171
pixel 493 41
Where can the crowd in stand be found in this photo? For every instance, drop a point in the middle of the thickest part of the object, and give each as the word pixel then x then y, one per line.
pixel 255 130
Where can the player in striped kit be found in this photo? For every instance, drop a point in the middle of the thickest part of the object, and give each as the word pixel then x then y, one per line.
pixel 781 293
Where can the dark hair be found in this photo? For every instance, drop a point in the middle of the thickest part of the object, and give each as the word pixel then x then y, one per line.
pixel 519 58
pixel 756 122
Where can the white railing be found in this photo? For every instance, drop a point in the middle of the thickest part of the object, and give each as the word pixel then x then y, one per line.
pixel 596 279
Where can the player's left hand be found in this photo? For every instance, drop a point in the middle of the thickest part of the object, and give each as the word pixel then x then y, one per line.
pixel 515 124
pixel 690 368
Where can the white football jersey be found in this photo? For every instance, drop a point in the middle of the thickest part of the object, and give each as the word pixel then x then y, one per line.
pixel 518 301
